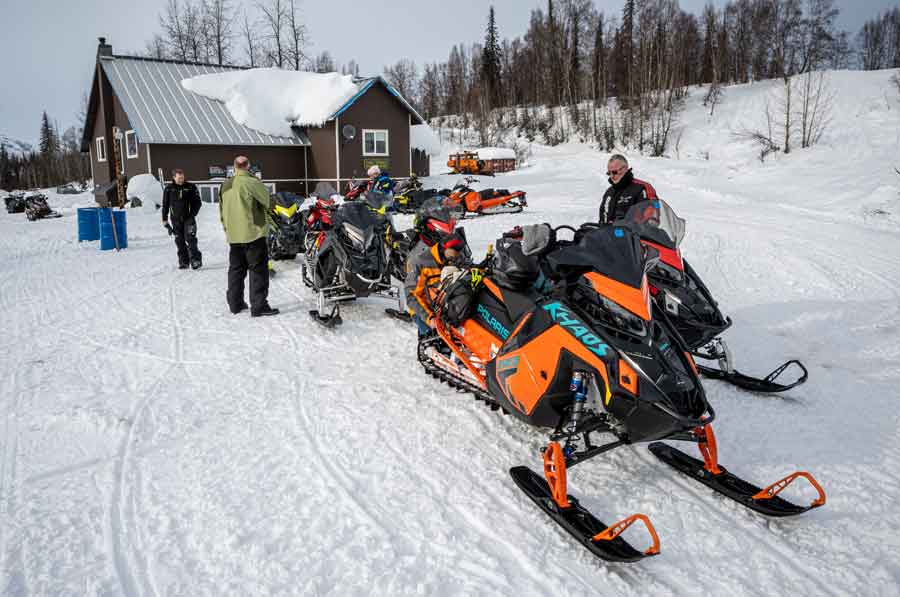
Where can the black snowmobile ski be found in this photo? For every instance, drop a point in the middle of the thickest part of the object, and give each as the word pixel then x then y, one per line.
pixel 759 499
pixel 581 524
pixel 765 385
pixel 398 314
pixel 331 320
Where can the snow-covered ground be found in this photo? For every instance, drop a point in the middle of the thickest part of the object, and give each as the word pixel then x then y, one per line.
pixel 153 444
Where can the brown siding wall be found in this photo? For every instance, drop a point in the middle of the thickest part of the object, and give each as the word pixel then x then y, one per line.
pixel 136 165
pixel 321 156
pixel 102 128
pixel 377 109
pixel 276 163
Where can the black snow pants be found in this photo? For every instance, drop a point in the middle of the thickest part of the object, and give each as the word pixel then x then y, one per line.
pixel 252 257
pixel 186 240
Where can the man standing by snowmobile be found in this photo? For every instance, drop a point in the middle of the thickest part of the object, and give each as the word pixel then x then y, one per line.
pixel 181 203
pixel 244 203
pixel 423 272
pixel 626 190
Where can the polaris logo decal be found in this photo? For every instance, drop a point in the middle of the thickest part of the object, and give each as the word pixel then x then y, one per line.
pixel 492 321
pixel 576 327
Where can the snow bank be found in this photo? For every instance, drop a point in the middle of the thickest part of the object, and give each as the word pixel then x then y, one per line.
pixel 270 100
pixel 421 136
pixel 146 188
pixel 496 153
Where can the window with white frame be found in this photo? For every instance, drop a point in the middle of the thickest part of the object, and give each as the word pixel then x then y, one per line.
pixel 131 144
pixel 375 142
pixel 101 149
pixel 209 193
pixel 271 187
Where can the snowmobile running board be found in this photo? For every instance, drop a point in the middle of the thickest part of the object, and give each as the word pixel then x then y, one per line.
pixel 764 500
pixel 766 385
pixel 601 540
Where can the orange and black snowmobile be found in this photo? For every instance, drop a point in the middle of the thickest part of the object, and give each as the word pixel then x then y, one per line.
pixel 682 297
pixel 464 201
pixel 585 360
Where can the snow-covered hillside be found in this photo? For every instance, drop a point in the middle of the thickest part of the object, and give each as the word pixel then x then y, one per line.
pixel 153 444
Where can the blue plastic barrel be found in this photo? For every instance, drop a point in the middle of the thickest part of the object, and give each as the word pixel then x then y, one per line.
pixel 107 240
pixel 88 223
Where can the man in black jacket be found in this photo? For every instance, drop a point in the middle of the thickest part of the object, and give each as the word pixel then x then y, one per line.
pixel 626 190
pixel 183 199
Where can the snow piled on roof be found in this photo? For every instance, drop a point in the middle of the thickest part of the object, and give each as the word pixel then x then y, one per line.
pixel 421 136
pixel 271 100
pixel 496 153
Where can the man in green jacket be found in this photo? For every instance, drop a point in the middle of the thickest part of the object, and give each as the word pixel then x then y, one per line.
pixel 243 203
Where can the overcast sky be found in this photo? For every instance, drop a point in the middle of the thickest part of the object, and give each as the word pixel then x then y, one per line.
pixel 50 45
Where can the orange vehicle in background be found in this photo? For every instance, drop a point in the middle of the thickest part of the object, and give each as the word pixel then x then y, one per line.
pixel 467 162
pixel 464 200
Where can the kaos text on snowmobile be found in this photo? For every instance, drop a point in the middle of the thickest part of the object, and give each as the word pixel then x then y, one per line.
pixel 350 259
pixel 586 360
pixel 687 303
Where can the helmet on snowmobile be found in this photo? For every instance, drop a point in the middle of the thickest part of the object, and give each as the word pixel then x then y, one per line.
pixel 433 221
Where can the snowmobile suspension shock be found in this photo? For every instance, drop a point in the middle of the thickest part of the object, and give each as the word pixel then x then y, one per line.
pixel 578 387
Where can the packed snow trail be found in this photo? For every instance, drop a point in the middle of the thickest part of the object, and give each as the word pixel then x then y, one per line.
pixel 153 444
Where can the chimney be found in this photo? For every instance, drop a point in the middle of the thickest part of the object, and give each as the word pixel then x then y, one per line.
pixel 104 49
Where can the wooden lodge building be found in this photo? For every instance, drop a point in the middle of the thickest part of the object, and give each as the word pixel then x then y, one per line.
pixel 140 104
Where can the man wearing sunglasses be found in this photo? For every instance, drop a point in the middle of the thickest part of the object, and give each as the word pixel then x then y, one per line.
pixel 626 190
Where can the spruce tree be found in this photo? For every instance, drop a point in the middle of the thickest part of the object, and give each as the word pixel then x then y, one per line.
pixel 490 61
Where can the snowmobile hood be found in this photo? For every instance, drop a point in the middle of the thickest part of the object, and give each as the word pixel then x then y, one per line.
pixel 613 251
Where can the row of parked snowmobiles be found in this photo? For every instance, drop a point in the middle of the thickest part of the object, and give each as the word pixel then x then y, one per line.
pixel 34 205
pixel 591 332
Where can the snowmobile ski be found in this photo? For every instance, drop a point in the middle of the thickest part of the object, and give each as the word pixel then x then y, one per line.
pixel 604 541
pixel 398 314
pixel 764 500
pixel 331 320
pixel 765 385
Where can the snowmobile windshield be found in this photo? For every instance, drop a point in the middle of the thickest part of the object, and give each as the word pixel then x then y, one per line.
pixel 287 199
pixel 434 209
pixel 613 251
pixel 656 222
pixel 324 190
pixel 378 202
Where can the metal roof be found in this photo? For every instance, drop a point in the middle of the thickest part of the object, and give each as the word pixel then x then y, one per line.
pixel 162 111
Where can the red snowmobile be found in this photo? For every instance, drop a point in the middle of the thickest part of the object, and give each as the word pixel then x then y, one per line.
pixel 587 360
pixel 465 201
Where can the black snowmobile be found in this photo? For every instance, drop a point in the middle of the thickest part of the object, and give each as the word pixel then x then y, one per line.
pixel 351 259
pixel 286 226
pixel 36 207
pixel 584 361
pixel 410 195
pixel 682 297
pixel 15 203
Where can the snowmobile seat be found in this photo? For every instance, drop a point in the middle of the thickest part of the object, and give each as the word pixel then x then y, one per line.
pixel 487 194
